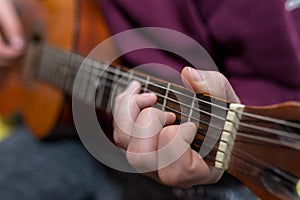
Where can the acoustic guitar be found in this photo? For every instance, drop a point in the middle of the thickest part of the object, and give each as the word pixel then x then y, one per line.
pixel 258 145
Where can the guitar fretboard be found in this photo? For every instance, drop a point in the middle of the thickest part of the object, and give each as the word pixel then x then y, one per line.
pixel 98 84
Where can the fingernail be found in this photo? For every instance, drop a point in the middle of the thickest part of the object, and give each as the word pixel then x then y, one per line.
pixel 187 124
pixel 17 43
pixel 148 94
pixel 133 86
pixel 196 75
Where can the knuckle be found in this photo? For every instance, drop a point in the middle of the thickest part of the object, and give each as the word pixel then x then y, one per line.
pixel 117 137
pixel 223 79
pixel 169 132
pixel 170 129
pixel 120 140
pixel 132 99
pixel 167 135
pixel 149 112
pixel 118 98
pixel 136 160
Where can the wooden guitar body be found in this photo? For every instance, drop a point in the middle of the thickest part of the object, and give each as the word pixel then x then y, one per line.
pixel 75 25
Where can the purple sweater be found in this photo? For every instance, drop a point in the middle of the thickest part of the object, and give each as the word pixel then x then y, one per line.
pixel 255 43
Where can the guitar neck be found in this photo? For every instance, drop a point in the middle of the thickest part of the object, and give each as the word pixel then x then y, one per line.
pixel 99 83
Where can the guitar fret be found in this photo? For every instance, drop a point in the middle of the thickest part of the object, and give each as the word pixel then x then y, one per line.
pixel 192 108
pixel 54 69
pixel 75 65
pixel 46 66
pixel 42 69
pixel 91 82
pixel 64 69
pixel 158 88
pixel 101 87
pixel 57 69
pixel 107 90
pixel 146 83
pixel 50 75
pixel 68 83
pixel 83 77
pixel 113 89
pixel 166 96
pixel 130 77
pixel 181 101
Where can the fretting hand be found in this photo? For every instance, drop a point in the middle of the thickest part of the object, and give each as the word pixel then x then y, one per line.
pixel 154 145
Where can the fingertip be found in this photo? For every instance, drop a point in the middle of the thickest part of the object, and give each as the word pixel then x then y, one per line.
pixel 186 78
pixel 185 73
pixel 194 75
pixel 149 95
pixel 190 125
pixel 171 118
pixel 133 87
pixel 194 80
pixel 145 99
pixel 189 131
pixel 17 43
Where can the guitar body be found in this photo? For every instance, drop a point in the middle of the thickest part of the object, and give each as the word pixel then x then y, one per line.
pixel 74 25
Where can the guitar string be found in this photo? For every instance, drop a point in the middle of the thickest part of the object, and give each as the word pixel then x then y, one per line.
pixel 270 140
pixel 250 161
pixel 264 129
pixel 281 133
pixel 214 148
pixel 246 124
pixel 265 118
pixel 285 134
pixel 256 165
pixel 274 131
pixel 154 84
pixel 243 135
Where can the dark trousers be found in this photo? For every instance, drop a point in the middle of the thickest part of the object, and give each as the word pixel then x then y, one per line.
pixel 60 170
